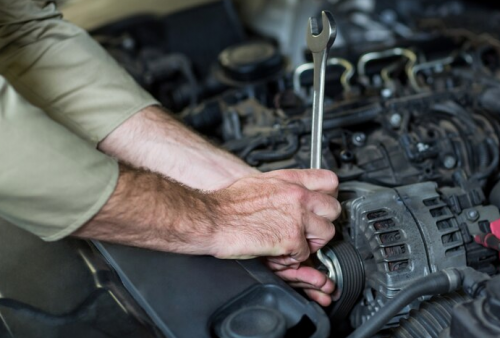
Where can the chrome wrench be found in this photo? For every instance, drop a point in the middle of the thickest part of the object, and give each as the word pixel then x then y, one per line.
pixel 320 44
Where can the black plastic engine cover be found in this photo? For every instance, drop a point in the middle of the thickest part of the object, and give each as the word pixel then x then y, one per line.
pixel 190 296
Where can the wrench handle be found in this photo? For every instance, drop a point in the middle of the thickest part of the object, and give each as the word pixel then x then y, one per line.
pixel 319 60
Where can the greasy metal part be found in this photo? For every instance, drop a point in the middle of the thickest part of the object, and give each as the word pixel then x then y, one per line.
pixel 97 279
pixel 385 74
pixel 440 63
pixel 411 56
pixel 345 78
pixel 331 261
pixel 319 44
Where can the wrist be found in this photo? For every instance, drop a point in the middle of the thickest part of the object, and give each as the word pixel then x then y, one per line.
pixel 217 217
pixel 198 223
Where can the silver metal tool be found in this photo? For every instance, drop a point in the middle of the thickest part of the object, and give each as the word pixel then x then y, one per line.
pixel 319 44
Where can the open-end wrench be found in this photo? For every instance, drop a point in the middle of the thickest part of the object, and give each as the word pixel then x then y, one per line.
pixel 319 44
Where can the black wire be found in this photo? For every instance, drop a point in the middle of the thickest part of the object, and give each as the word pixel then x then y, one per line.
pixel 49 318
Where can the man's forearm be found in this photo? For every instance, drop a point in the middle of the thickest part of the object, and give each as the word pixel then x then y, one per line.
pixel 154 140
pixel 152 211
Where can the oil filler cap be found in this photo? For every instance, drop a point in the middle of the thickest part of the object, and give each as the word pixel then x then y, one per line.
pixel 254 322
pixel 253 61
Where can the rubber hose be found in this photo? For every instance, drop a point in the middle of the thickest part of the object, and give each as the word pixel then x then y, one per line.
pixel 275 155
pixel 355 117
pixel 494 197
pixel 483 155
pixel 210 116
pixel 433 284
pixel 51 319
pixel 431 318
pixel 345 119
pixel 489 100
pixel 494 161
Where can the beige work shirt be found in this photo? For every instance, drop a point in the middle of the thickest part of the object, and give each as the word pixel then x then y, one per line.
pixel 60 94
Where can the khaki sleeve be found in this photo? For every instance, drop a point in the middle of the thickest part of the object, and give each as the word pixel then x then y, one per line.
pixel 51 181
pixel 59 68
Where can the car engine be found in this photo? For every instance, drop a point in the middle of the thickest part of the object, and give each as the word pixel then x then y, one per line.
pixel 411 128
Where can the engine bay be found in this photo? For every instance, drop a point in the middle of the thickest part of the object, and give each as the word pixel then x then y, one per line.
pixel 411 128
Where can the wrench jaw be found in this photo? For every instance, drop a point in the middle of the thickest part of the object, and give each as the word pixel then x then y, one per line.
pixel 317 41
pixel 313 27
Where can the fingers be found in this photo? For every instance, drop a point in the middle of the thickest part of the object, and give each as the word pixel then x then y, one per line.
pixel 281 263
pixel 319 180
pixel 319 297
pixel 319 231
pixel 301 251
pixel 316 285
pixel 307 277
pixel 323 205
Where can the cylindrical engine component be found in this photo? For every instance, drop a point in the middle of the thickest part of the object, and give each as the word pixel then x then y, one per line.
pixel 250 62
pixel 349 277
pixel 432 317
pixel 440 282
pixel 480 317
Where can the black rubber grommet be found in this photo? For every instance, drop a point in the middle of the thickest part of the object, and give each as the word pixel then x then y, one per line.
pixel 254 322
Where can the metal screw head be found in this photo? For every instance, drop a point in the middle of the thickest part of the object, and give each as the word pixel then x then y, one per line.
pixel 449 162
pixel 128 43
pixel 421 147
pixel 359 139
pixel 386 93
pixel 346 156
pixel 395 120
pixel 472 215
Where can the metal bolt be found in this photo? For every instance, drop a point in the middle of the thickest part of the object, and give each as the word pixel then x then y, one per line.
pixel 472 215
pixel 346 156
pixel 386 93
pixel 421 147
pixel 388 16
pixel 395 120
pixel 449 162
pixel 359 139
pixel 128 43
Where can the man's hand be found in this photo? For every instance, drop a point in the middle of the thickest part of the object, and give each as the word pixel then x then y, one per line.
pixel 285 214
pixel 315 284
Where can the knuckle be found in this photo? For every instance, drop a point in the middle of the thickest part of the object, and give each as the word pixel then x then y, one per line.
pixel 334 179
pixel 305 253
pixel 296 233
pixel 318 280
pixel 297 193
pixel 287 174
pixel 337 207
pixel 332 232
pixel 283 251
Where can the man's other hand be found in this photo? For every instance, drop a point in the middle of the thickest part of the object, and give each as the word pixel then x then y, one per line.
pixel 315 284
